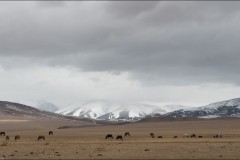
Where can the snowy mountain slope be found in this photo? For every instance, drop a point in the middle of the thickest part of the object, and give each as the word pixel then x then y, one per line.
pixel 108 110
pixel 40 104
pixel 229 108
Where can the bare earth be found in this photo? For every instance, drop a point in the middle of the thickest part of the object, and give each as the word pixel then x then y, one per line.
pixel 90 142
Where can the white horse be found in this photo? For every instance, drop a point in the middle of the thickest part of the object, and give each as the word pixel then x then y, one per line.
pixel 185 135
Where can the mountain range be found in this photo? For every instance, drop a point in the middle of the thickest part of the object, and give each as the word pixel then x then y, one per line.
pixel 106 110
pixel 114 111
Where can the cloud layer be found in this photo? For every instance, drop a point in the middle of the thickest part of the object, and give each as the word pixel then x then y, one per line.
pixel 154 43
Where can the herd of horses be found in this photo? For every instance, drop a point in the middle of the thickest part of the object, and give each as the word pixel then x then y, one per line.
pixel 41 137
pixel 17 137
pixel 187 136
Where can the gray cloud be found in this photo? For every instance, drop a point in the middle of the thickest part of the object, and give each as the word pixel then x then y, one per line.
pixel 158 43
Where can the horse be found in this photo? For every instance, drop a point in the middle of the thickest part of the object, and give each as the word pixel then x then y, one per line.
pixel 119 137
pixel 41 137
pixel 200 136
pixel 193 135
pixel 109 136
pixel 152 135
pixel 50 132
pixel 217 136
pixel 174 136
pixel 2 133
pixel 127 134
pixel 17 137
pixel 7 138
pixel 185 135
pixel 160 137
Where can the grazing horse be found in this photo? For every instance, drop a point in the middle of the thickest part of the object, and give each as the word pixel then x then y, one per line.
pixel 119 137
pixel 174 136
pixel 185 135
pixel 152 135
pixel 127 134
pixel 2 133
pixel 7 138
pixel 160 137
pixel 217 136
pixel 109 136
pixel 200 136
pixel 193 135
pixel 50 132
pixel 17 137
pixel 41 137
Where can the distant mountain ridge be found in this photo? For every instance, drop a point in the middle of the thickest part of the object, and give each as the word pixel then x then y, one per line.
pixel 107 110
pixel 228 108
pixel 40 104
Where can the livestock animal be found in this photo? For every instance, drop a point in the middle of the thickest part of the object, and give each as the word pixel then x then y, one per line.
pixel 200 136
pixel 185 135
pixel 17 137
pixel 160 137
pixel 152 135
pixel 193 135
pixel 7 138
pixel 217 136
pixel 127 134
pixel 2 133
pixel 109 136
pixel 50 132
pixel 119 137
pixel 174 136
pixel 41 137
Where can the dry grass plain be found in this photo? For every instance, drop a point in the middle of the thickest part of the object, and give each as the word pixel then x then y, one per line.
pixel 90 142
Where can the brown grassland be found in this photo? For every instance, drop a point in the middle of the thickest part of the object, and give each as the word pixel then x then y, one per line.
pixel 90 142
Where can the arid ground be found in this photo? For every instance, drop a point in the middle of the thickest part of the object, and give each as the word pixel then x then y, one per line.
pixel 90 143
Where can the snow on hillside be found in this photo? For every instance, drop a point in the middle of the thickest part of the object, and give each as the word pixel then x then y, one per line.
pixel 228 108
pixel 108 110
pixel 40 104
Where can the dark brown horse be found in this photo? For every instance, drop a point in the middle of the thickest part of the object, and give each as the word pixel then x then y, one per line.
pixel 119 137
pixel 109 136
pixel 200 136
pixel 127 134
pixel 7 138
pixel 193 135
pixel 41 137
pixel 2 133
pixel 160 137
pixel 174 136
pixel 17 137
pixel 50 132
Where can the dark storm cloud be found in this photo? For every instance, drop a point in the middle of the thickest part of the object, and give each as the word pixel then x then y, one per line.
pixel 158 43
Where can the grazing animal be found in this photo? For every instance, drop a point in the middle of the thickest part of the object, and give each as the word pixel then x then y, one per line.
pixel 217 136
pixel 152 135
pixel 160 137
pixel 200 137
pixel 119 137
pixel 50 132
pixel 185 135
pixel 193 135
pixel 127 134
pixel 174 136
pixel 109 136
pixel 17 137
pixel 7 138
pixel 41 137
pixel 2 133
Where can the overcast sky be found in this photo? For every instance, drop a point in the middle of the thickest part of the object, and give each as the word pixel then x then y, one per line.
pixel 159 52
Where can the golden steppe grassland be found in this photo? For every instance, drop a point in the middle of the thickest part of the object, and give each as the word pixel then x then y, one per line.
pixel 90 142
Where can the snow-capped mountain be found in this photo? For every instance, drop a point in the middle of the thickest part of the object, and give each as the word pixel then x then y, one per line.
pixel 228 108
pixel 109 110
pixel 40 104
